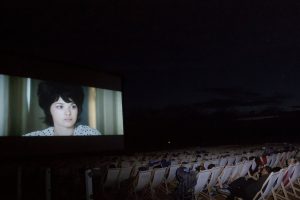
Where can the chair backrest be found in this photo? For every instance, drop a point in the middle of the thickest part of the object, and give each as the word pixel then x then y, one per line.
pixel 172 173
pixel 288 155
pixel 236 171
pixel 294 153
pixel 143 180
pixel 288 175
pixel 230 160
pixel 206 163
pixel 254 164
pixel 279 179
pixel 158 177
pixel 294 175
pixel 238 158
pixel 276 160
pixel 283 159
pixel 245 168
pixel 269 159
pixel 202 181
pixel 124 173
pixel 111 177
pixel 266 189
pixel 216 161
pixel 223 161
pixel 215 173
pixel 224 177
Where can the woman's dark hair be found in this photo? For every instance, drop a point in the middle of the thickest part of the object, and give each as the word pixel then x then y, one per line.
pixel 49 92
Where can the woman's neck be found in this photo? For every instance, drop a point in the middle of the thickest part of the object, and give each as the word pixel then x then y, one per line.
pixel 62 131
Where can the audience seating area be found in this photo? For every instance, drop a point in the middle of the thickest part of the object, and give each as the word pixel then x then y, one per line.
pixel 153 175
pixel 158 175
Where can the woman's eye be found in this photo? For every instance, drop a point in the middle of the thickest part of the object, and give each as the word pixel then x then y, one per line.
pixel 74 106
pixel 59 107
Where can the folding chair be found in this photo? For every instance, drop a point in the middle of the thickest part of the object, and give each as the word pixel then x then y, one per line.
pixel 289 186
pixel 111 180
pixel 202 183
pixel 245 168
pixel 236 172
pixel 282 161
pixel 230 160
pixel 254 164
pixel 142 183
pixel 238 158
pixel 276 160
pixel 225 176
pixel 223 161
pixel 288 155
pixel 124 174
pixel 278 184
pixel 266 190
pixel 171 175
pixel 215 173
pixel 270 159
pixel 158 179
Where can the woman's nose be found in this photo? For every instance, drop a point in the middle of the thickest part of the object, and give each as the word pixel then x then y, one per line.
pixel 68 111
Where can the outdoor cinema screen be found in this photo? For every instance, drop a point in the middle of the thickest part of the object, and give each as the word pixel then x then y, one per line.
pixel 35 107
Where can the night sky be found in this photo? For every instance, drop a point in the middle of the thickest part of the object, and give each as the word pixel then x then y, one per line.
pixel 192 67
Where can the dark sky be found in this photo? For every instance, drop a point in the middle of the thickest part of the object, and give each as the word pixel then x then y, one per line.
pixel 205 57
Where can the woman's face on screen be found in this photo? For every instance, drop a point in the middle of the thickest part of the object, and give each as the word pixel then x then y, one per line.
pixel 64 114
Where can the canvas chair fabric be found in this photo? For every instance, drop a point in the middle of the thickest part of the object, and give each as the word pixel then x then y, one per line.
pixel 225 175
pixel 245 168
pixel 124 174
pixel 111 177
pixel 236 171
pixel 215 173
pixel 143 180
pixel 266 189
pixel 158 177
pixel 202 182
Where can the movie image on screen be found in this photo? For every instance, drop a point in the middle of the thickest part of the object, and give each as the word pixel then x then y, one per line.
pixel 31 107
